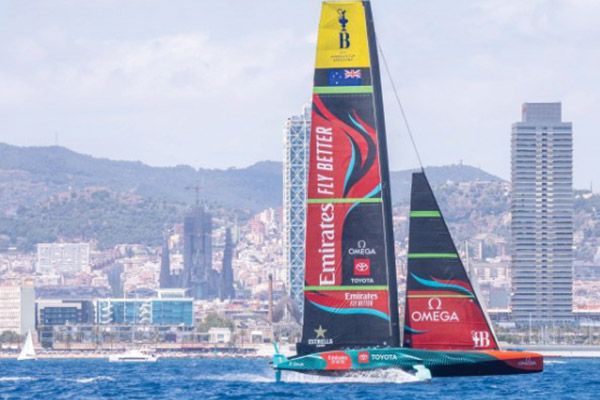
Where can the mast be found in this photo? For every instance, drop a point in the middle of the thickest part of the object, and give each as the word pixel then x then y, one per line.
pixel 385 177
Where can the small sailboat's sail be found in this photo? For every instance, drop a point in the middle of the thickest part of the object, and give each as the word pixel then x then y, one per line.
pixel 350 283
pixel 442 310
pixel 27 352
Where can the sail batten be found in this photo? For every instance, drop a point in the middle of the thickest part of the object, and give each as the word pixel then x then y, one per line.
pixel 346 200
pixel 350 289
pixel 342 89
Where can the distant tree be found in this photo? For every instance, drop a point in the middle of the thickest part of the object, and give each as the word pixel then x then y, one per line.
pixel 215 320
pixel 9 337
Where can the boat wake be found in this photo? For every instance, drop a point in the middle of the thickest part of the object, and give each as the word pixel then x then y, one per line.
pixel 550 362
pixel 396 376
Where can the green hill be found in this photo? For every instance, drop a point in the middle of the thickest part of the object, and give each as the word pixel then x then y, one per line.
pixel 49 193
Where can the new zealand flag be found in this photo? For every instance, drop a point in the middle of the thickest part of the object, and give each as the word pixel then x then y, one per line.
pixel 345 77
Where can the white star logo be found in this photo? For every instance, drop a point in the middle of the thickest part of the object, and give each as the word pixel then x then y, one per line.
pixel 320 332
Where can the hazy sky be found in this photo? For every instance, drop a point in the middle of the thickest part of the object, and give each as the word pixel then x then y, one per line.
pixel 210 83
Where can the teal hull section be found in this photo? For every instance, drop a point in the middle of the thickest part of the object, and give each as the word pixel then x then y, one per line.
pixel 440 363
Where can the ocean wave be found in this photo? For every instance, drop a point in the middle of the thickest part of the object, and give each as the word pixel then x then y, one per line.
pixel 94 379
pixel 240 377
pixel 16 378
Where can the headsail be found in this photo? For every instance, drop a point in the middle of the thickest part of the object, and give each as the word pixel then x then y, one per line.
pixel 442 309
pixel 27 351
pixel 350 283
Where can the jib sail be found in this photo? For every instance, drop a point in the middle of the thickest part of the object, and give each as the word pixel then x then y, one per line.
pixel 350 289
pixel 442 310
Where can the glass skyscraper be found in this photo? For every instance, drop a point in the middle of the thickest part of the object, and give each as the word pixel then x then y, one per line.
pixel 296 135
pixel 542 216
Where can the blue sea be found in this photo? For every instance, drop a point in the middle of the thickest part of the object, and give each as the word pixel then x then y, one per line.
pixel 206 379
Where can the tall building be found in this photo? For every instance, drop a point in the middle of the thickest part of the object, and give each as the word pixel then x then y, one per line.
pixel 61 258
pixel 542 216
pixel 17 309
pixel 296 136
pixel 198 275
pixel 114 276
pixel 226 290
pixel 165 279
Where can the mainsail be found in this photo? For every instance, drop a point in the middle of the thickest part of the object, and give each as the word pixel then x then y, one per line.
pixel 350 292
pixel 442 309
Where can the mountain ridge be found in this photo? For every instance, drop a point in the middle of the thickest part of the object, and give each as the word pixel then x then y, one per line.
pixel 53 193
pixel 253 187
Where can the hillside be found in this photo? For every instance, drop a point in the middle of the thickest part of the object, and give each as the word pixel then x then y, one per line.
pixel 437 176
pixel 52 193
pixel 49 193
pixel 30 174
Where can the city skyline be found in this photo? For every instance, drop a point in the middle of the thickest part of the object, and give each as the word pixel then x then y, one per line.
pixel 204 282
pixel 251 198
pixel 148 96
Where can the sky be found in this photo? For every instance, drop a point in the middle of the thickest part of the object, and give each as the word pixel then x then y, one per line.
pixel 211 83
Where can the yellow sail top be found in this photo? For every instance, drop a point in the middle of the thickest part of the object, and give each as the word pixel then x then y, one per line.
pixel 342 39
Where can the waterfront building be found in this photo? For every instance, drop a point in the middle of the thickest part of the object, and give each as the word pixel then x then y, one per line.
pixel 63 258
pixel 173 293
pixel 169 307
pixel 52 313
pixel 17 309
pixel 62 312
pixel 542 216
pixel 296 139
pixel 219 335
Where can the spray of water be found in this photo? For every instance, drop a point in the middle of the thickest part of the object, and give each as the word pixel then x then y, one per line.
pixel 390 376
pixel 396 376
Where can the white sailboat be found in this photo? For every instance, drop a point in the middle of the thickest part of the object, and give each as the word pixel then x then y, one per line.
pixel 27 352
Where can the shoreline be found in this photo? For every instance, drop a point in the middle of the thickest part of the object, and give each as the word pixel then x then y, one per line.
pixel 564 351
pixel 69 356
pixel 549 352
